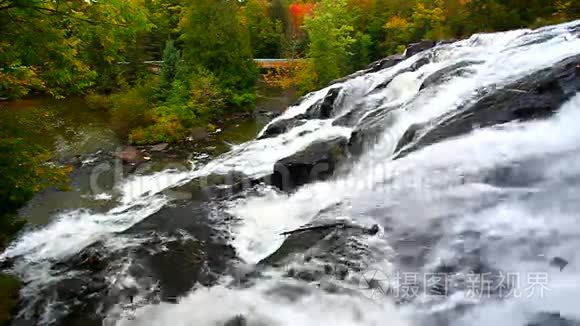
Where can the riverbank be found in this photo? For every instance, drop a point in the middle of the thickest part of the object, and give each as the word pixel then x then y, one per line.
pixel 78 138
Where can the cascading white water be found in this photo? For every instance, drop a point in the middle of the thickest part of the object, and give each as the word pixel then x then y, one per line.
pixel 536 220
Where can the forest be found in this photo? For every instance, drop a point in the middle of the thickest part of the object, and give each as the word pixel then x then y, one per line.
pixel 100 49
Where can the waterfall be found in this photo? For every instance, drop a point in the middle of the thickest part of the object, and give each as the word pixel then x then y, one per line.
pixel 496 196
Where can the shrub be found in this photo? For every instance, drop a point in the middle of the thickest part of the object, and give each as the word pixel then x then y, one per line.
pixel 165 129
pixel 206 98
pixel 129 109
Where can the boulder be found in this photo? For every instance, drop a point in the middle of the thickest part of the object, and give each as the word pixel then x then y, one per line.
pixel 6 263
pixel 304 238
pixel 316 162
pixel 385 63
pixel 559 262
pixel 370 130
pixel 535 96
pixel 440 76
pixel 238 320
pixel 193 250
pixel 408 136
pixel 415 48
pixel 281 126
pixel 323 108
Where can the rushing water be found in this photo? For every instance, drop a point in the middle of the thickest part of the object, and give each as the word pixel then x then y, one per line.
pixel 436 207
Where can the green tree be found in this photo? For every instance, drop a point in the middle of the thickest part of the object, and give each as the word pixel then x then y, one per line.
pixel 215 39
pixel 61 47
pixel 266 32
pixel 330 31
pixel 172 65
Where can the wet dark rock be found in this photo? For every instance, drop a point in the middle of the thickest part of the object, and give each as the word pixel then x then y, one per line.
pixel 76 287
pixel 194 251
pixel 320 110
pixel 317 162
pixel 348 119
pixel 373 230
pixel 301 240
pixel 89 260
pixel 414 67
pixel 180 247
pixel 238 320
pixel 415 48
pixel 296 243
pixel 408 136
pixel 370 130
pixel 281 126
pixel 385 63
pixel 446 73
pixel 538 95
pixel 323 109
pixel 6 263
pixel 559 262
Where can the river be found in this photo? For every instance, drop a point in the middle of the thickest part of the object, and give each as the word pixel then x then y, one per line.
pixel 450 199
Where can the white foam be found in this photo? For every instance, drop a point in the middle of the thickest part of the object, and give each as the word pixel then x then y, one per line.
pixel 260 306
pixel 73 231
pixel 499 67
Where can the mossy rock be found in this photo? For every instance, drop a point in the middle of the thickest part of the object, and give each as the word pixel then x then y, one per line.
pixel 9 288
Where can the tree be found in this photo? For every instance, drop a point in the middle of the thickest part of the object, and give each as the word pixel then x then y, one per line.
pixel 330 30
pixel 214 39
pixel 266 32
pixel 60 47
pixel 172 65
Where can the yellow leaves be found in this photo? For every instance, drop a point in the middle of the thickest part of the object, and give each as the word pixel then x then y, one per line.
pixel 562 7
pixel 301 75
pixel 397 22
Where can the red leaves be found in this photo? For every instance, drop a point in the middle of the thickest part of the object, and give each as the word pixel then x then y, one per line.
pixel 298 12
